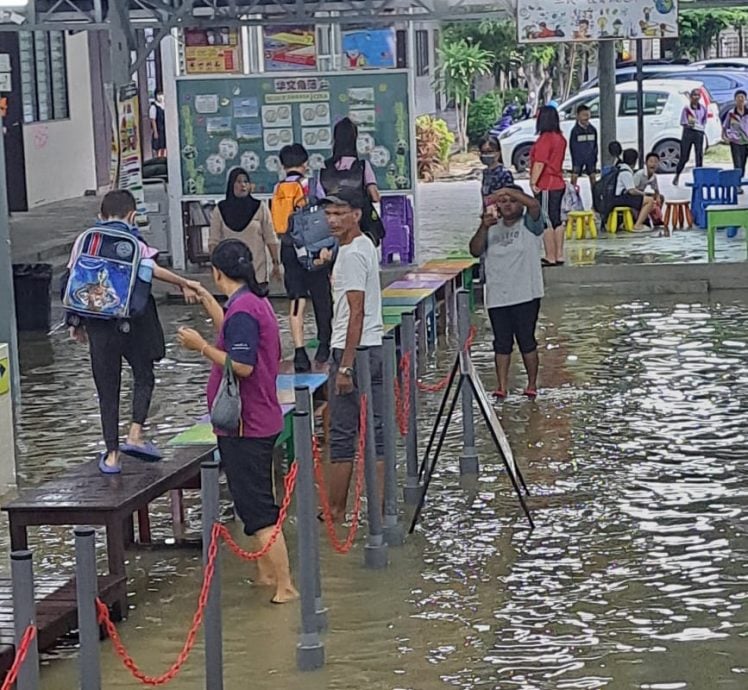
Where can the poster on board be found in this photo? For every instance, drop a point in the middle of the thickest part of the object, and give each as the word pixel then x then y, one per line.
pixel 369 48
pixel 289 48
pixel 130 175
pixel 561 21
pixel 212 51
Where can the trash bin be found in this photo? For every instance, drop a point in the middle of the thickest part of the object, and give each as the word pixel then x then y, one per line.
pixel 31 284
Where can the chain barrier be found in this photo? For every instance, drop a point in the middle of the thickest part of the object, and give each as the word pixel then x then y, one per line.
pixel 345 546
pixel 23 649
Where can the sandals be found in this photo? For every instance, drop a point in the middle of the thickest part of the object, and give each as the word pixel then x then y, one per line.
pixel 531 393
pixel 499 394
pixel 108 469
pixel 147 452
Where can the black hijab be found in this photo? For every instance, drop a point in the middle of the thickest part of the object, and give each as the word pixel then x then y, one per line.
pixel 237 213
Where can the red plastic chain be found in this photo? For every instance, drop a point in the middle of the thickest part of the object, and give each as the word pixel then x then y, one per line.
pixel 345 546
pixel 402 397
pixel 189 643
pixel 441 384
pixel 290 484
pixel 23 649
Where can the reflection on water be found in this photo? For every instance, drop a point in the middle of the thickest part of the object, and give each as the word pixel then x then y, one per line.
pixel 636 576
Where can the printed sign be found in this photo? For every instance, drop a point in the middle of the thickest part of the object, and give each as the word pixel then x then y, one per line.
pixel 128 125
pixel 561 21
pixel 4 376
pixel 289 48
pixel 369 49
pixel 212 51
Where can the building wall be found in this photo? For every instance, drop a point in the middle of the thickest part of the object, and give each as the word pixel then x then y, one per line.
pixel 60 158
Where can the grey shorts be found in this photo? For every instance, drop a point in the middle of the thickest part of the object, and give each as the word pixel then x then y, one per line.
pixel 344 410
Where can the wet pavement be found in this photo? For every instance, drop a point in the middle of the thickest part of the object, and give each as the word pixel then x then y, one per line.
pixel 637 459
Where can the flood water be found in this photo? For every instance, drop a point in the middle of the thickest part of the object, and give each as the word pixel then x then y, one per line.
pixel 636 455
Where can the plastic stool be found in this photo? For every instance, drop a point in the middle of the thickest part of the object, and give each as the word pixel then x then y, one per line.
pixel 678 215
pixel 579 221
pixel 618 214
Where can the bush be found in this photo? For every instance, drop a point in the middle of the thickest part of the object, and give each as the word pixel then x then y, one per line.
pixel 434 143
pixel 482 115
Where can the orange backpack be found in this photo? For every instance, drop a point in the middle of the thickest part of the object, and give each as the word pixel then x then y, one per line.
pixel 287 197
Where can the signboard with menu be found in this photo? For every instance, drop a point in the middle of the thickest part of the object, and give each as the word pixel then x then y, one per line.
pixel 212 51
pixel 289 48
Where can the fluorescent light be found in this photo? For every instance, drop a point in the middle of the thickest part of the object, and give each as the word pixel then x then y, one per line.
pixel 14 3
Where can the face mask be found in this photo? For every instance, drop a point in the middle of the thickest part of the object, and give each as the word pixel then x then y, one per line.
pixel 488 158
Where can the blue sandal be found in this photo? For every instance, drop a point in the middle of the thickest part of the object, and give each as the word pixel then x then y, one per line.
pixel 107 469
pixel 147 452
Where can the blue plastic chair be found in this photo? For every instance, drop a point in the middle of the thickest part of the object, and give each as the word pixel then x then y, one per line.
pixel 706 190
pixel 730 181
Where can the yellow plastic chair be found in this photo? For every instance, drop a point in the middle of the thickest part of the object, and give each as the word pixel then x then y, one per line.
pixel 621 214
pixel 580 221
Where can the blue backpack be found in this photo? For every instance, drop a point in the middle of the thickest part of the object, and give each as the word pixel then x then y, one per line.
pixel 310 233
pixel 108 278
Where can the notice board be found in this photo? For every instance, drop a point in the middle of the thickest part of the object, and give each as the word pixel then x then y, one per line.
pixel 245 121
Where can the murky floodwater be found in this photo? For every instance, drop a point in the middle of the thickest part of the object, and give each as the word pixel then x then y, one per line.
pixel 636 576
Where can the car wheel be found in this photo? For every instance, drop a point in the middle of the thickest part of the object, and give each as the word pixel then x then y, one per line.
pixel 669 153
pixel 521 158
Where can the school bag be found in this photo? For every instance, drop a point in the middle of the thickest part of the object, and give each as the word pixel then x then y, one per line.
pixel 310 233
pixel 108 277
pixel 288 196
pixel 336 181
pixel 571 201
pixel 604 192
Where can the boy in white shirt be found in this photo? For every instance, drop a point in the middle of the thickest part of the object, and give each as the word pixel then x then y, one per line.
pixel 628 194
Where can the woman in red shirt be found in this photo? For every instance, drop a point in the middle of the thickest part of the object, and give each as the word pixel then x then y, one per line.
pixel 547 181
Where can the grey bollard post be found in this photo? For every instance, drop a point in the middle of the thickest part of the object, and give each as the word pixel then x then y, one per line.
pixel 87 589
pixel 310 651
pixel 413 488
pixel 209 473
pixel 469 456
pixel 375 551
pixel 393 530
pixel 24 613
pixel 304 403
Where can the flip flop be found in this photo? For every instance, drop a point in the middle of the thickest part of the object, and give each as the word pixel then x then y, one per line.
pixel 107 469
pixel 546 263
pixel 499 394
pixel 531 393
pixel 147 452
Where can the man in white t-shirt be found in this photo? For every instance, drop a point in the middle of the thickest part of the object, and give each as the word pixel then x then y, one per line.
pixel 356 321
pixel 627 193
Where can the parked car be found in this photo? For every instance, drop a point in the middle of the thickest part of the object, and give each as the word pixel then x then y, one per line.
pixel 721 84
pixel 663 102
pixel 723 63
pixel 628 73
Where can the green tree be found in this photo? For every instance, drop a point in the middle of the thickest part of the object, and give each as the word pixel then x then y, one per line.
pixel 699 30
pixel 460 63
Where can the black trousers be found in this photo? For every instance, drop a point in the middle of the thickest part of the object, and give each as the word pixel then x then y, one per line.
pixel 739 156
pixel 691 139
pixel 108 345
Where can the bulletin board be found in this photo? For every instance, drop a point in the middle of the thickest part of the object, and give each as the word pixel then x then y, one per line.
pixel 245 121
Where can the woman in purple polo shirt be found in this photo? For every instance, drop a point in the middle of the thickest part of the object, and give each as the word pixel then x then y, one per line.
pixel 248 333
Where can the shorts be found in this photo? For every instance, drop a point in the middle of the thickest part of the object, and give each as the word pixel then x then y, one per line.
pixel 248 464
pixel 550 203
pixel 516 322
pixel 631 200
pixel 299 282
pixel 344 409
pixel 585 168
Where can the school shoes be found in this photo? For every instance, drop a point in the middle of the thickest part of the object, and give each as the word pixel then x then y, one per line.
pixel 323 354
pixel 301 363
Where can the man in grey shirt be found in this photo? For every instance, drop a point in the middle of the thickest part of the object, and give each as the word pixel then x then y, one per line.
pixel 511 247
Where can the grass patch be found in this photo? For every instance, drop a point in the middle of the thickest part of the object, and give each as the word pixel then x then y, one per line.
pixel 718 154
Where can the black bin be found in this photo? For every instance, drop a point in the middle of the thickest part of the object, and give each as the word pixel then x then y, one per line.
pixel 31 284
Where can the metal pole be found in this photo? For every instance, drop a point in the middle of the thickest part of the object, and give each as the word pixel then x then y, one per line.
pixel 87 589
pixel 606 65
pixel 469 457
pixel 413 488
pixel 304 404
pixel 393 531
pixel 8 333
pixel 640 100
pixel 24 614
pixel 375 551
pixel 209 472
pixel 310 651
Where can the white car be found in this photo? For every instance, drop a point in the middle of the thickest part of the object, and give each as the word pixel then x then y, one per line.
pixel 663 102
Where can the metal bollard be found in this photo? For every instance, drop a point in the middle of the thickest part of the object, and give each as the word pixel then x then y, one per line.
pixel 304 403
pixel 375 551
pixel 87 589
pixel 393 531
pixel 24 614
pixel 469 457
pixel 413 488
pixel 310 651
pixel 209 473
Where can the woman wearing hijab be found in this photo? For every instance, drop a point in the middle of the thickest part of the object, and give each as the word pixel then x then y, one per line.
pixel 242 217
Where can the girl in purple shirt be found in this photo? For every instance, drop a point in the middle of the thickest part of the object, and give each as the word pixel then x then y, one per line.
pixel 693 120
pixel 248 333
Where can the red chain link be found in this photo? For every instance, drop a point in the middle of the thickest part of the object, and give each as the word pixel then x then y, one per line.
pixel 23 649
pixel 189 643
pixel 290 484
pixel 346 545
pixel 441 384
pixel 402 397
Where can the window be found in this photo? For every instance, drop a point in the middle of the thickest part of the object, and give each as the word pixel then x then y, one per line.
pixel 422 53
pixel 654 103
pixel 44 76
pixel 570 111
